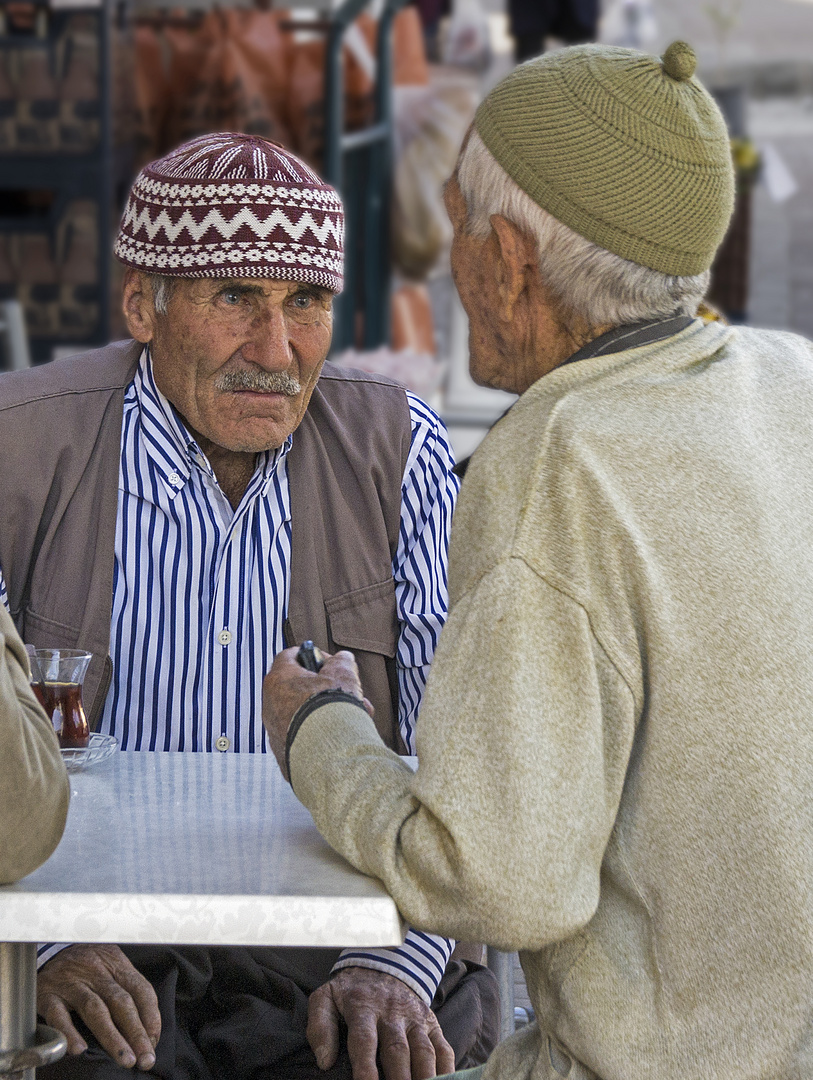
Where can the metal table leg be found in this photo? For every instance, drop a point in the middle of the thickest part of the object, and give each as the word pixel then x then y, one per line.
pixel 24 1044
pixel 502 964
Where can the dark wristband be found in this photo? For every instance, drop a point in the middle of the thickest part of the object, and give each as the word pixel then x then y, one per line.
pixel 315 701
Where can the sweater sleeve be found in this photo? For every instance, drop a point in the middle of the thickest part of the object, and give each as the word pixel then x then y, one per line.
pixel 34 787
pixel 428 492
pixel 524 740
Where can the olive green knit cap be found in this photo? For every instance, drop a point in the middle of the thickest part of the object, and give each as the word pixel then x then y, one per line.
pixel 629 151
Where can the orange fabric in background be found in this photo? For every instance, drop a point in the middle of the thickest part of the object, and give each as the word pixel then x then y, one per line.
pixel 151 93
pixel 194 56
pixel 413 327
pixel 306 93
pixel 252 83
pixel 306 100
pixel 410 67
pixel 238 69
pixel 227 71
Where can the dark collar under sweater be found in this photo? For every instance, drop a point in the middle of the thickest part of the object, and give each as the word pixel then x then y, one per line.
pixel 631 336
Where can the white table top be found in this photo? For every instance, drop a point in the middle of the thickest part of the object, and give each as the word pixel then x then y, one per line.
pixel 194 849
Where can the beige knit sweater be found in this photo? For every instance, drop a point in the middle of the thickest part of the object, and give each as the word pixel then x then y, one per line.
pixel 616 744
pixel 34 787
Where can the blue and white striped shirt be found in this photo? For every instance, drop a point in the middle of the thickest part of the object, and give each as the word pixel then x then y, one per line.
pixel 201 591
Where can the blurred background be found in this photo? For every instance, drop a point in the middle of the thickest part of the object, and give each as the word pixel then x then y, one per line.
pixel 378 97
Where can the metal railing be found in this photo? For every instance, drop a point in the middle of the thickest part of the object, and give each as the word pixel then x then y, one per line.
pixel 359 165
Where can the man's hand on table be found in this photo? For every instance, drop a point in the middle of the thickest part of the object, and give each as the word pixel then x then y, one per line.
pixel 383 1016
pixel 288 685
pixel 115 1001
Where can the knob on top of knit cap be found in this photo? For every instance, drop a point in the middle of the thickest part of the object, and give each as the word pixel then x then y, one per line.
pixel 679 61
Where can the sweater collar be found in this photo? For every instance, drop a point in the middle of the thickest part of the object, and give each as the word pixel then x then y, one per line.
pixel 631 336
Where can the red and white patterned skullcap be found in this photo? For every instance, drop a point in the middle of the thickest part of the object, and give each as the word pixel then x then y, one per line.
pixel 231 205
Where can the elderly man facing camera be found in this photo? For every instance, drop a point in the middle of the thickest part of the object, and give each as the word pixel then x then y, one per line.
pixel 185 504
pixel 616 748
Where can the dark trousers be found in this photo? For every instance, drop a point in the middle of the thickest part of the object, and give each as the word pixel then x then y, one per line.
pixel 240 1014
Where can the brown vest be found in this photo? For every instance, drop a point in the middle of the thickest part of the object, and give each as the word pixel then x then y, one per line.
pixel 60 446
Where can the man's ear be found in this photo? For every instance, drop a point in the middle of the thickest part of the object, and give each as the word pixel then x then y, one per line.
pixel 138 306
pixel 516 259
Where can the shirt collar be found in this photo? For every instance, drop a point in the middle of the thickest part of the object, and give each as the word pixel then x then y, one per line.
pixel 171 445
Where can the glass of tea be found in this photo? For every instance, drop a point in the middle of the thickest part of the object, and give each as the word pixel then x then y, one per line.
pixel 56 679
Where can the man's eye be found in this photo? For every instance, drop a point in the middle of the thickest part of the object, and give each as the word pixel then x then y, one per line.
pixel 231 296
pixel 302 300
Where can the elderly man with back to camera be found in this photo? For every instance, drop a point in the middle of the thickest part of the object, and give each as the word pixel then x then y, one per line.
pixel 185 504
pixel 616 751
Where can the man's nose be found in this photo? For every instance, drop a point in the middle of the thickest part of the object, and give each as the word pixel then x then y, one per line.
pixel 268 343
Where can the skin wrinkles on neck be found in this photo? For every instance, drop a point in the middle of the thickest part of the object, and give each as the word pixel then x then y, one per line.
pixel 232 468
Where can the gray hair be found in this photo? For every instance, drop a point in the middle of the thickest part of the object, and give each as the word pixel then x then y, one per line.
pixel 163 286
pixel 593 284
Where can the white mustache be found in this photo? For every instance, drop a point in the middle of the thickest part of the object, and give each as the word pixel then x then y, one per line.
pixel 260 382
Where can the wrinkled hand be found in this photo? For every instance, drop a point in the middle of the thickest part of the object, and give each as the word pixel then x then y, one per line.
pixel 288 685
pixel 115 1001
pixel 382 1015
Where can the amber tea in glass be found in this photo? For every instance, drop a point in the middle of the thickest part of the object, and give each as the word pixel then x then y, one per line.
pixel 56 679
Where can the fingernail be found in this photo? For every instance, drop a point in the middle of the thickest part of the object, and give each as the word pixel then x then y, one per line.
pixel 127 1058
pixel 146 1062
pixel 321 1059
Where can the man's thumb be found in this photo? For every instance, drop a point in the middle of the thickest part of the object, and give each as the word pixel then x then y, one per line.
pixel 323 1027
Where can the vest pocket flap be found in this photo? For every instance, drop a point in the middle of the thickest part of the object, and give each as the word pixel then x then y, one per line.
pixel 48 634
pixel 365 619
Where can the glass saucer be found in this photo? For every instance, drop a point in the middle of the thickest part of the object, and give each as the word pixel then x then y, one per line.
pixel 98 749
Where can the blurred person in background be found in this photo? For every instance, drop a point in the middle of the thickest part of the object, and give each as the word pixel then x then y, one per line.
pixel 531 21
pixel 200 496
pixel 616 748
pixel 431 13
pixel 34 787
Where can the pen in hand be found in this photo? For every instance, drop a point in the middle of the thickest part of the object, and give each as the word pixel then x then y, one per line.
pixel 310 657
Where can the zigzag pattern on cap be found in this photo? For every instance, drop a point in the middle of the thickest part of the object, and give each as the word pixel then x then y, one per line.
pixel 231 205
pixel 137 219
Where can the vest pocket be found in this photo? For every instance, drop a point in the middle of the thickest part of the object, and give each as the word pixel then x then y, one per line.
pixel 364 619
pixel 47 633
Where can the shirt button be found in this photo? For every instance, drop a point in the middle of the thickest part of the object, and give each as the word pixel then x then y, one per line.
pixel 174 479
pixel 223 744
pixel 224 637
